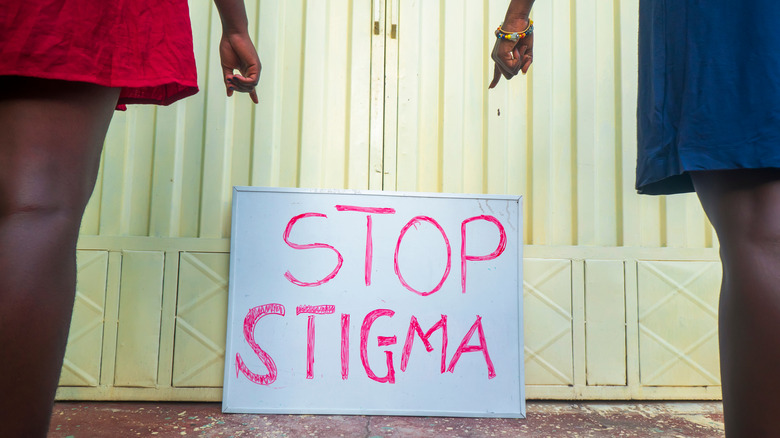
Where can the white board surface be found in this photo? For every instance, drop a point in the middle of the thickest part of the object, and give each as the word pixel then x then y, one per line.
pixel 333 295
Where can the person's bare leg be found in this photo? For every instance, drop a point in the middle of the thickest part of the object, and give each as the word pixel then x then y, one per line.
pixel 51 135
pixel 744 208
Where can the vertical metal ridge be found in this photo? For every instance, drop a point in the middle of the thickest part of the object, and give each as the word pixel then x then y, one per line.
pixel 464 112
pixel 251 160
pixel 127 186
pixel 203 134
pixel 389 12
pixel 383 34
pixel 485 70
pixel 530 206
pixel 175 228
pixel 440 135
pixel 152 165
pixel 255 21
pixel 326 97
pixel 94 210
pixel 347 100
pixel 376 90
pixel 619 186
pixel 662 215
pixel 299 146
pixel 575 207
pixel 223 215
pixel 419 160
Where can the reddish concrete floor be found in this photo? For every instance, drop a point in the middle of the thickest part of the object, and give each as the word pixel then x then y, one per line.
pixel 545 419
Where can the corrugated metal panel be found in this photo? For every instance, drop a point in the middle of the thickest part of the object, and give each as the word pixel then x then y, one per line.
pixel 564 136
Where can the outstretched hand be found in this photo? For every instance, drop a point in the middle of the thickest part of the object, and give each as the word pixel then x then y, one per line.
pixel 237 52
pixel 512 57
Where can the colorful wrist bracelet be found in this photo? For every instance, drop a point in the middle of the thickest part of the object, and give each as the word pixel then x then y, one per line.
pixel 515 36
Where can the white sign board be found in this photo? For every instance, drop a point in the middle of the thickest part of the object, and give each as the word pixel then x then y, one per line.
pixel 375 303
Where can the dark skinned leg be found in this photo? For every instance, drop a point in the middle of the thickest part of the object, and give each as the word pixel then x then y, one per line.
pixel 744 208
pixel 51 135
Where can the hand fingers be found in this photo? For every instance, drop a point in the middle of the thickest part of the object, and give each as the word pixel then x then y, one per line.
pixel 252 94
pixel 527 64
pixel 508 74
pixel 252 73
pixel 507 58
pixel 249 74
pixel 496 77
pixel 526 54
pixel 511 59
pixel 243 85
pixel 231 87
pixel 238 53
pixel 227 73
pixel 528 58
pixel 502 54
pixel 510 71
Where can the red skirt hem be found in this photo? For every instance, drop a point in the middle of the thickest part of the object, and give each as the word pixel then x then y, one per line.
pixel 159 91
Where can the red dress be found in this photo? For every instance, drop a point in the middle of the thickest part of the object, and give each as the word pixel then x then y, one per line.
pixel 142 46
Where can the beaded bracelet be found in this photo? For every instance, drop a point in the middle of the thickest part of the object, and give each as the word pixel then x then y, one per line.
pixel 515 36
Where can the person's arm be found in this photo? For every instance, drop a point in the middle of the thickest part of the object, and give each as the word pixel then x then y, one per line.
pixel 236 50
pixel 518 12
pixel 513 57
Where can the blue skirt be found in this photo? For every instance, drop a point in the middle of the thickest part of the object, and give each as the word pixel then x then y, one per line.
pixel 709 89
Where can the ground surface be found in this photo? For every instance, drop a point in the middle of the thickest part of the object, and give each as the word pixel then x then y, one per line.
pixel 545 419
